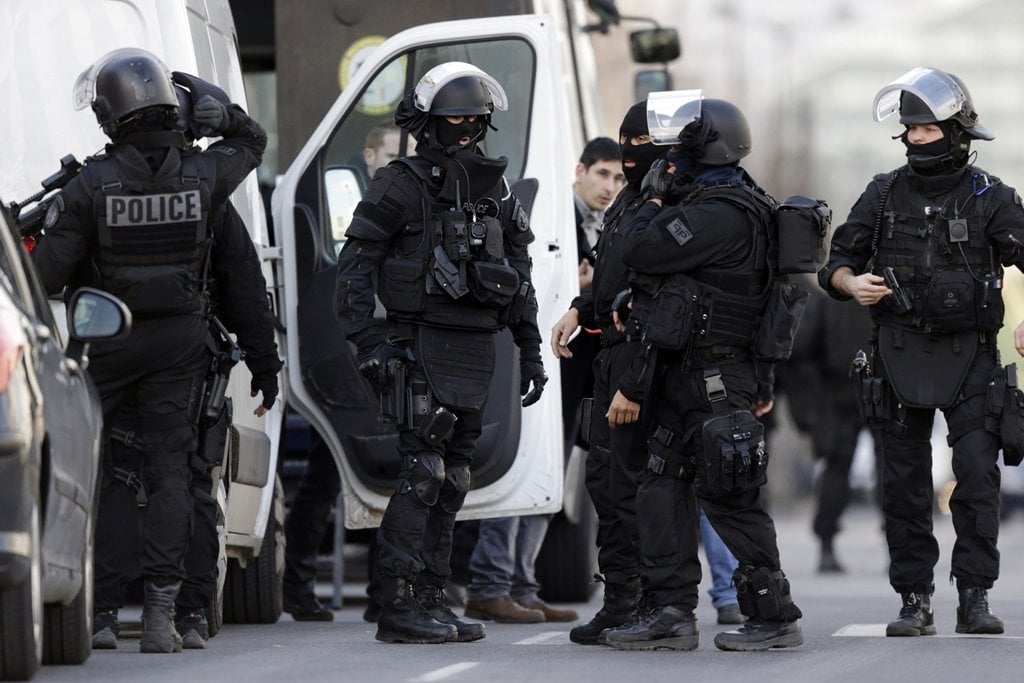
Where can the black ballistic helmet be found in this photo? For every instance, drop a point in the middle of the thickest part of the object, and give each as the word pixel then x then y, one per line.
pixel 465 96
pixel 128 83
pixel 721 134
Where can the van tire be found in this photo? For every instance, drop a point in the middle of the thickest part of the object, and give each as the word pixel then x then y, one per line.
pixel 567 561
pixel 253 593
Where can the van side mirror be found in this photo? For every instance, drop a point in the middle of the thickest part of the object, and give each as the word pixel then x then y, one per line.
pixel 650 80
pixel 653 45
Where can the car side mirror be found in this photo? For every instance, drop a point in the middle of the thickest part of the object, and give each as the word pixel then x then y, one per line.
pixel 654 45
pixel 94 315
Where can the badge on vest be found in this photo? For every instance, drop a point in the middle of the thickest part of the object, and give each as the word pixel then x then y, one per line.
pixel 677 228
pixel 154 209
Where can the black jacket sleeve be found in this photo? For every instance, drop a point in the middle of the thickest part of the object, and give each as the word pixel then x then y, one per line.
pixel 242 302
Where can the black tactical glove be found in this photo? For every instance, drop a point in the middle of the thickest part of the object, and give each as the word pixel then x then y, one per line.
pixel 211 115
pixel 531 369
pixel 658 182
pixel 373 362
pixel 264 371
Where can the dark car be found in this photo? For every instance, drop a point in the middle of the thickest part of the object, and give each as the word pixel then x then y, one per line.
pixel 50 424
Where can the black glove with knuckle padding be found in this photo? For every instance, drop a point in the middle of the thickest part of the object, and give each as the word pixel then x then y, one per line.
pixel 658 182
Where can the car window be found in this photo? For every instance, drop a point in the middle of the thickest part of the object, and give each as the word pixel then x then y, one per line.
pixel 505 59
pixel 17 276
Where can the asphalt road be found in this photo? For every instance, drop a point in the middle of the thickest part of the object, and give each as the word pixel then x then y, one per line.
pixel 844 622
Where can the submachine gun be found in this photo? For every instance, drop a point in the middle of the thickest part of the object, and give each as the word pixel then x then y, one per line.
pixel 30 223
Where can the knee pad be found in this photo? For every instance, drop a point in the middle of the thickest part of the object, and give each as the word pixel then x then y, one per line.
pixel 455 488
pixel 763 594
pixel 424 475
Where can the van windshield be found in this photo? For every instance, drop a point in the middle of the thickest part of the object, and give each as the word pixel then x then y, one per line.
pixel 367 138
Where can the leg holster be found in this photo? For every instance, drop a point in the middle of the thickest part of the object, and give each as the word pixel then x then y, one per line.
pixel 763 595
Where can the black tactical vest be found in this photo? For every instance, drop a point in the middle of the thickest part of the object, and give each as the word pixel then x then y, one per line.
pixel 152 236
pixel 940 255
pixel 709 306
pixel 447 269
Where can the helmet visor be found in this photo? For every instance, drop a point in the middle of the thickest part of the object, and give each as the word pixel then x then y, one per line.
pixel 442 74
pixel 940 93
pixel 668 112
pixel 84 92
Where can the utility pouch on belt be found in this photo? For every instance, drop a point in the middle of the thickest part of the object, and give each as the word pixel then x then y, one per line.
pixel 513 313
pixel 874 398
pixel 1006 402
pixel 735 456
pixel 782 315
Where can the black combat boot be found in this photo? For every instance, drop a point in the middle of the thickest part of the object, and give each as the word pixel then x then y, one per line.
pixel 433 601
pixel 972 616
pixel 663 628
pixel 916 618
pixel 105 628
pixel 619 602
pixel 158 632
pixel 402 620
pixel 761 635
pixel 772 618
pixel 191 624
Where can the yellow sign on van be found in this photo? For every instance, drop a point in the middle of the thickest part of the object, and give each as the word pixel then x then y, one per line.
pixel 387 87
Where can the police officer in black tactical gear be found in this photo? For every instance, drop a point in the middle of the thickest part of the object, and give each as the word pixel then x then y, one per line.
pixel 618 443
pixel 699 244
pixel 442 240
pixel 924 247
pixel 144 216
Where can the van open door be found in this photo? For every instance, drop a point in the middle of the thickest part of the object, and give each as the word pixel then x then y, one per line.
pixel 519 458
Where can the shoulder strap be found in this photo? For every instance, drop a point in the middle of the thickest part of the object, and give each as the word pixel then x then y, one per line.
pixel 886 189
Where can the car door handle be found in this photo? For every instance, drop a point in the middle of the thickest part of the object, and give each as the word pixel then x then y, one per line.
pixel 554 246
pixel 71 367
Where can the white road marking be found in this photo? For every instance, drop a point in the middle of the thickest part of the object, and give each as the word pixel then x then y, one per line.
pixel 878 631
pixel 541 638
pixel 444 672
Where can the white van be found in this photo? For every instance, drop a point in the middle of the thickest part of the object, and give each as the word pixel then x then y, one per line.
pixel 46 44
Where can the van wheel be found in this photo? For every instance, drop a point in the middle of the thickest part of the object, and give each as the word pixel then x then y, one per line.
pixel 21 612
pixel 215 615
pixel 253 594
pixel 568 559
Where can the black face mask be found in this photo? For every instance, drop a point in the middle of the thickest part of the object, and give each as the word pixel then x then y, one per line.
pixel 931 157
pixel 448 134
pixel 644 155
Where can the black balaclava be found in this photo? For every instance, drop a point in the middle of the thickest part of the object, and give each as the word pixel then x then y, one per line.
pixel 932 158
pixel 448 133
pixel 634 124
